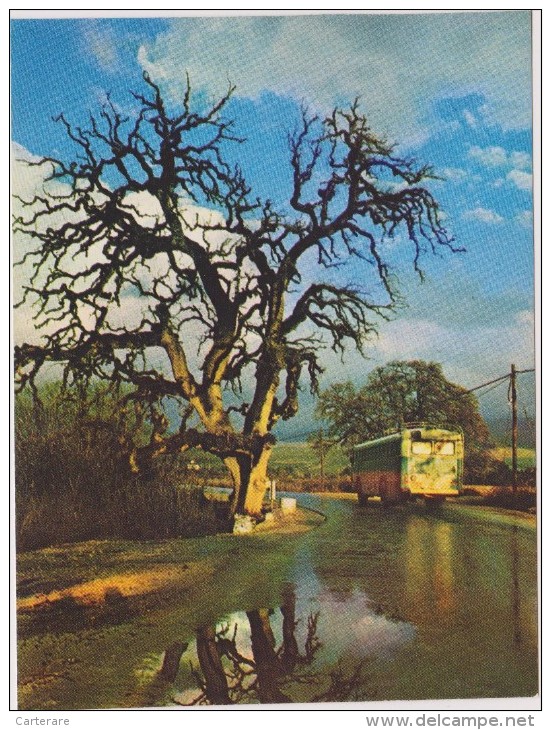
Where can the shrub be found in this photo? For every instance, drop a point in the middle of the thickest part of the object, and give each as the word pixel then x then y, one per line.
pixel 73 480
pixel 523 499
pixel 482 468
pixel 527 477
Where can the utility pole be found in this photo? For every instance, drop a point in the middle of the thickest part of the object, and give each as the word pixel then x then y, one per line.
pixel 514 430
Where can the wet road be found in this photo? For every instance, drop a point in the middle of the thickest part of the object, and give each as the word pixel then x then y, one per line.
pixel 441 604
pixel 374 604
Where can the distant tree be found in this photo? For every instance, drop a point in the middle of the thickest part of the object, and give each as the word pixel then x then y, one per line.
pixel 399 393
pixel 154 265
pixel 321 445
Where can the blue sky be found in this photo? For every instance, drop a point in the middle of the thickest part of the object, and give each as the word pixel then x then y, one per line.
pixel 452 89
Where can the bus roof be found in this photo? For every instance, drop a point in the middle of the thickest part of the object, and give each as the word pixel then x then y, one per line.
pixel 382 440
pixel 426 430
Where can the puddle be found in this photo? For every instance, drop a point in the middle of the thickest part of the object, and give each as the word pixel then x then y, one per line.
pixel 275 655
pixel 371 605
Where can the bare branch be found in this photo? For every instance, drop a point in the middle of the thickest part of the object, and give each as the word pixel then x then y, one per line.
pixel 154 266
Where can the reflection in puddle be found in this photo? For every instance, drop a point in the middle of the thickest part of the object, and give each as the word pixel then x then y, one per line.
pixel 360 628
pixel 272 656
pixel 372 606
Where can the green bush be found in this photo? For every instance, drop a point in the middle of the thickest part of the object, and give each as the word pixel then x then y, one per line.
pixel 523 499
pixel 527 477
pixel 482 468
pixel 73 480
pixel 138 512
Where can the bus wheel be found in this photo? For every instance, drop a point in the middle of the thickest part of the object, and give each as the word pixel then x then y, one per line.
pixel 434 502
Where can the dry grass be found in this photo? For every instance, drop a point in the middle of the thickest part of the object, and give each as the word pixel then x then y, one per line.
pixel 95 591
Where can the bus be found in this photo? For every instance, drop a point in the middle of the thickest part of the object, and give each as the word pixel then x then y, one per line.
pixel 417 461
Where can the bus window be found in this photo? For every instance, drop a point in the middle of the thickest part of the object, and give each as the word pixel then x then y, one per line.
pixel 446 448
pixel 421 447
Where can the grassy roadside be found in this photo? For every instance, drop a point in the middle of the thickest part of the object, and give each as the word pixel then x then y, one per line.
pixel 127 601
pixel 71 570
pixel 526 458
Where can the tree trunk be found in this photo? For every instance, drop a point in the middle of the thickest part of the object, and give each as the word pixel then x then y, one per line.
pixel 232 465
pixel 290 655
pixel 216 685
pixel 268 667
pixel 250 483
pixel 171 661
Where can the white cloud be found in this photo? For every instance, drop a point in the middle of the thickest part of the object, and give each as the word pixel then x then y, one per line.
pixel 102 44
pixel 470 355
pixel 489 156
pixel 483 215
pixel 522 180
pixel 28 181
pixel 395 62
pixel 521 160
pixel 454 173
pixel 470 118
pixel 498 157
pixel 21 154
pixel 407 339
pixel 487 347
pixel 525 219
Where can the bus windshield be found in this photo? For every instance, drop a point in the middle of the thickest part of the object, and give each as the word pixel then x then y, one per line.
pixel 446 448
pixel 443 448
pixel 421 447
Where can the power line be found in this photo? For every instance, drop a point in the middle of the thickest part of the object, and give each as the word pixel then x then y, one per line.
pixel 495 383
pixel 511 377
pixel 493 387
pixel 490 382
pixel 502 377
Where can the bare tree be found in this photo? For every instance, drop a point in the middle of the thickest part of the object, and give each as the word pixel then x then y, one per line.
pixel 154 266
pixel 273 674
pixel 321 445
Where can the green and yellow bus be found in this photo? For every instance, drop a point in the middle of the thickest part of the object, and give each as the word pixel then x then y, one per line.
pixel 418 461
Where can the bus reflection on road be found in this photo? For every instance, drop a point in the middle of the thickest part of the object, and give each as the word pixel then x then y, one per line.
pixel 460 586
pixel 428 576
pixel 439 577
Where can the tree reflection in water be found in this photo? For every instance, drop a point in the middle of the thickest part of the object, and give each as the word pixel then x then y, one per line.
pixel 271 674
